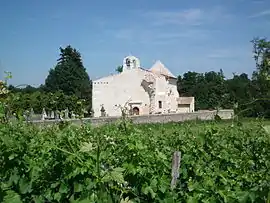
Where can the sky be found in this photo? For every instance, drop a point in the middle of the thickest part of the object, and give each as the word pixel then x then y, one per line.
pixel 193 35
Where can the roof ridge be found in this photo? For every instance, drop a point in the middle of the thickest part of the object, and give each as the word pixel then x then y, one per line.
pixel 160 68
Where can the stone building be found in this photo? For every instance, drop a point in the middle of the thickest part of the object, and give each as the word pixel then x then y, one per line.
pixel 140 91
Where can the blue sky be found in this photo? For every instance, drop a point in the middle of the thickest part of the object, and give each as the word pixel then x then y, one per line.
pixel 186 36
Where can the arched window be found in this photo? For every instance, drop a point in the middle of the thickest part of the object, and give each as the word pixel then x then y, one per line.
pixel 136 111
pixel 128 62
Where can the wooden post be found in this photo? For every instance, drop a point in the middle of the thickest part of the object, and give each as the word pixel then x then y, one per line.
pixel 175 168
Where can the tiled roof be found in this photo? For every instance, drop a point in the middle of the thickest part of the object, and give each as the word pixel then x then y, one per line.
pixel 159 68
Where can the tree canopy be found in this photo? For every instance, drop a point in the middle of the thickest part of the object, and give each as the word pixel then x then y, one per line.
pixel 212 90
pixel 69 75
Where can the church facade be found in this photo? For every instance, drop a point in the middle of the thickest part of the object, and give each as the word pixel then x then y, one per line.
pixel 139 91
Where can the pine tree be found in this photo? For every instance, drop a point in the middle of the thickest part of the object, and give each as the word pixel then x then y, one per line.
pixel 70 76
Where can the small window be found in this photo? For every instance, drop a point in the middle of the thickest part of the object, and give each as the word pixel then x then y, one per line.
pixel 160 104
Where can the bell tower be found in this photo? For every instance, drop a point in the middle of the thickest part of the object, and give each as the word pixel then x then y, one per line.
pixel 131 62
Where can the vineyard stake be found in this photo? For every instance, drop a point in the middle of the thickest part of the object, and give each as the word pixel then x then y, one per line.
pixel 175 168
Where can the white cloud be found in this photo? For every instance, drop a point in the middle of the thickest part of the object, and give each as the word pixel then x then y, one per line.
pixel 261 14
pixel 190 17
pixel 158 27
pixel 229 53
pixel 155 36
pixel 220 54
pixel 164 27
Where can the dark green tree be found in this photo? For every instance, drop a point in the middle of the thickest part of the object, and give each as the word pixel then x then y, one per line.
pixel 216 90
pixel 119 69
pixel 70 76
pixel 208 88
pixel 240 93
pixel 193 84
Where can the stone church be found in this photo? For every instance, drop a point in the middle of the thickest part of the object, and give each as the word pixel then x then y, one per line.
pixel 140 91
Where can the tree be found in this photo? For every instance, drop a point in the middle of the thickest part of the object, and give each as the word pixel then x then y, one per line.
pixel 193 84
pixel 119 69
pixel 24 88
pixel 261 51
pixel 216 89
pixel 208 89
pixel 261 76
pixel 70 76
pixel 211 90
pixel 240 92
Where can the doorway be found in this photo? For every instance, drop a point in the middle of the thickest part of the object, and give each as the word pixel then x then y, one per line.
pixel 135 111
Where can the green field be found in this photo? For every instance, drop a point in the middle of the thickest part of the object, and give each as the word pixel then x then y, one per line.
pixel 221 162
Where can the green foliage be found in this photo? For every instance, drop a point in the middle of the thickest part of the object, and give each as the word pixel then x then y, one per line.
pixel 28 89
pixel 4 99
pixel 119 69
pixel 220 163
pixel 20 102
pixel 261 50
pixel 70 76
pixel 261 77
pixel 251 96
pixel 208 88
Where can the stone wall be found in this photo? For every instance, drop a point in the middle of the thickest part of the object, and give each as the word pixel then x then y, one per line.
pixel 160 118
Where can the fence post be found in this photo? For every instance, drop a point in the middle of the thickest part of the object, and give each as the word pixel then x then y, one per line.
pixel 175 168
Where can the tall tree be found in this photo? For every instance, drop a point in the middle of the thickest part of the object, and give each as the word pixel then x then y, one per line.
pixel 216 91
pixel 240 92
pixel 69 75
pixel 261 76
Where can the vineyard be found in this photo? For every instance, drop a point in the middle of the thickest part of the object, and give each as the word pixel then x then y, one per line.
pixel 123 162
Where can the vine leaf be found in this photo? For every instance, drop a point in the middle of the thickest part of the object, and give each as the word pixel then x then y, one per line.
pixel 12 197
pixel 267 129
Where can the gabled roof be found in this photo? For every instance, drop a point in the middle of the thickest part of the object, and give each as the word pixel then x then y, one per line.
pixel 159 68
